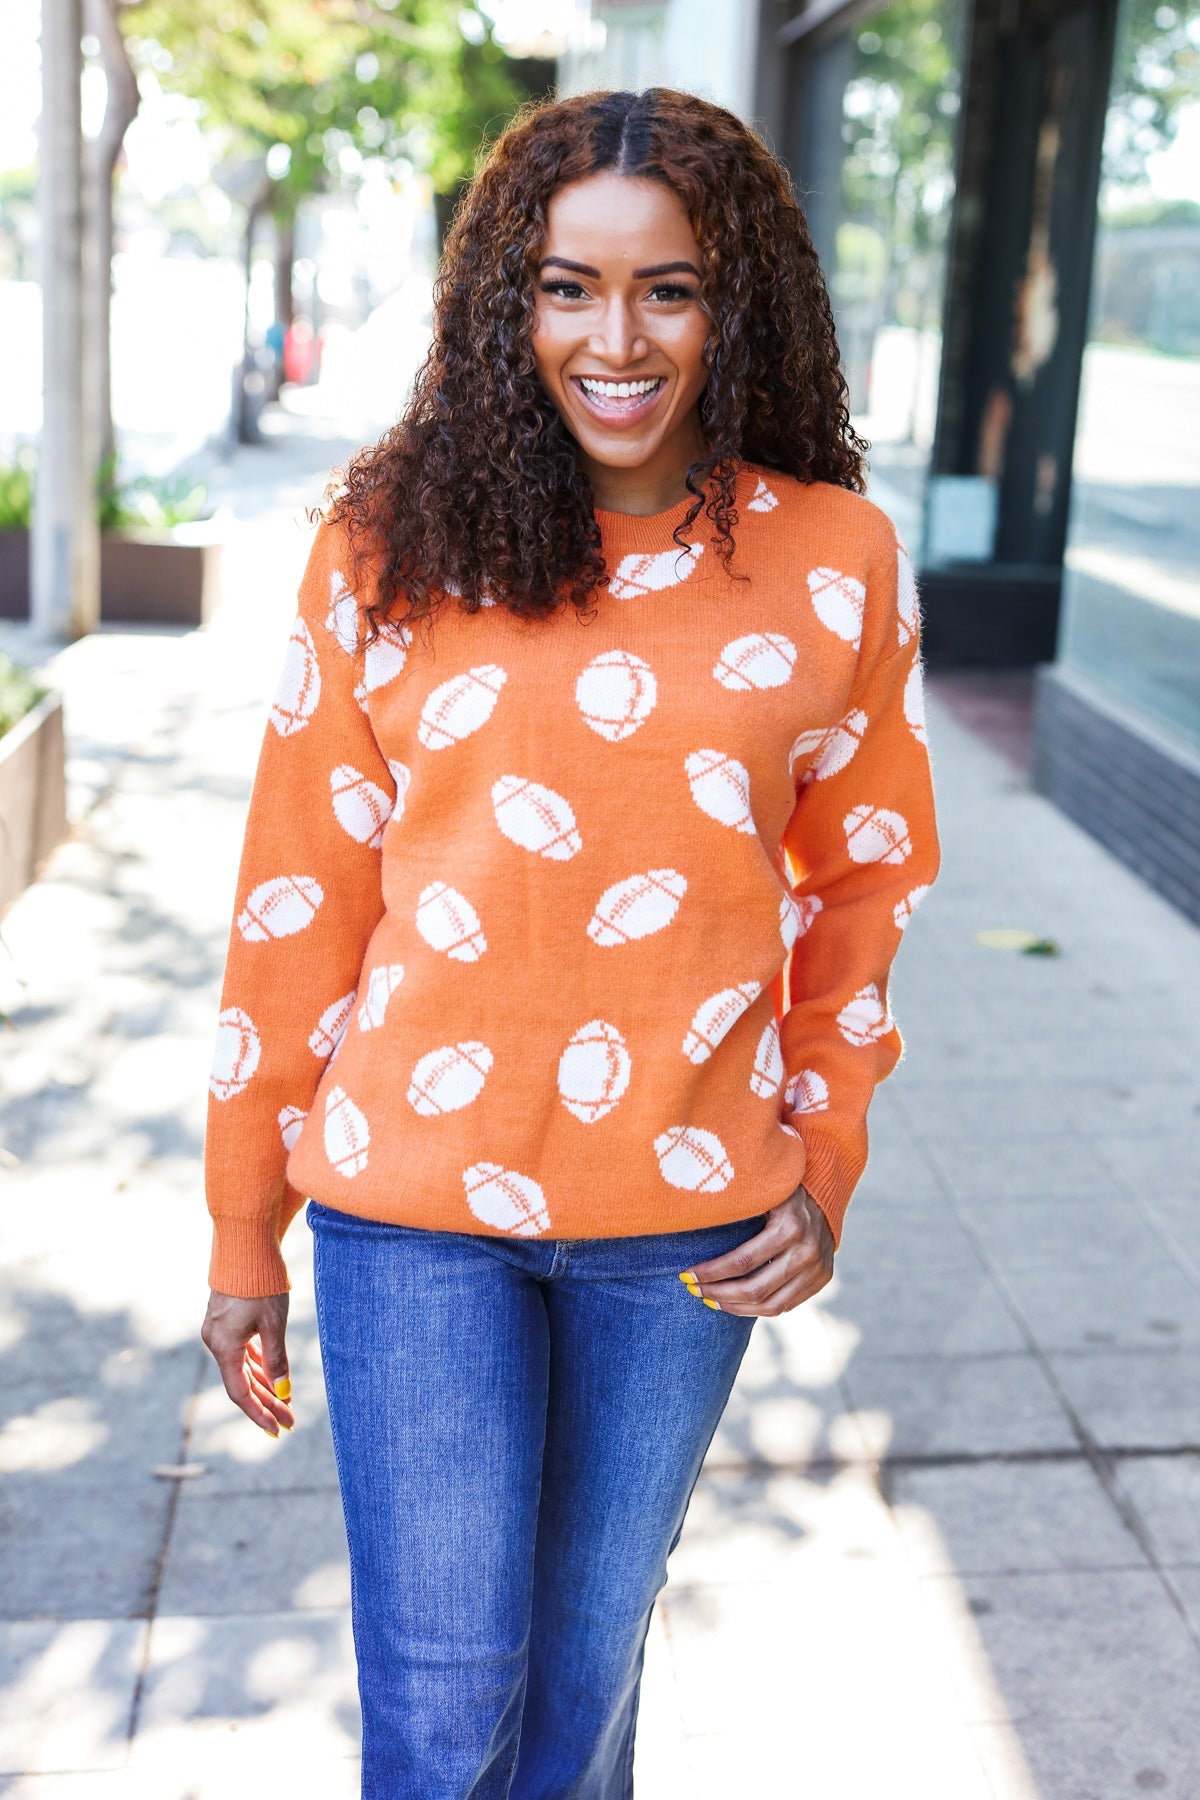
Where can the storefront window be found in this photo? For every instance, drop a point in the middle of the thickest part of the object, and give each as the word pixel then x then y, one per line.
pixel 1132 578
pixel 886 248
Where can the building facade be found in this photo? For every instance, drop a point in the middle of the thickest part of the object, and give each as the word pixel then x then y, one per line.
pixel 1006 198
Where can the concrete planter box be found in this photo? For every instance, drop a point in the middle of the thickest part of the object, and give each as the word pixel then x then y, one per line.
pixel 33 795
pixel 169 580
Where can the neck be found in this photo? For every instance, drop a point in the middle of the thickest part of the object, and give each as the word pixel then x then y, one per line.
pixel 653 486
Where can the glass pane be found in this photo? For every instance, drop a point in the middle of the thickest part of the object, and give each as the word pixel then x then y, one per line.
pixel 899 108
pixel 1132 580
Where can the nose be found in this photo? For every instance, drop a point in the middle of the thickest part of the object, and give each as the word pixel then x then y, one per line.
pixel 618 339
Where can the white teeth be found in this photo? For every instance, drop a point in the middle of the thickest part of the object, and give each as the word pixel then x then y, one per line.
pixel 619 390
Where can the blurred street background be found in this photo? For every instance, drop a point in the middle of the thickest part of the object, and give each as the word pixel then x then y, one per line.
pixel 947 1543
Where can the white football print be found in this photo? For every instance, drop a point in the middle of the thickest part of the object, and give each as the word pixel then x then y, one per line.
pixel 360 808
pixel 764 500
pixel 238 1049
pixel 381 985
pixel 762 660
pixel 767 1072
pixel 501 1198
pixel 384 659
pixel 616 694
pixel 807 907
pixel 291 1123
pixel 342 617
pixel 904 909
pixel 401 774
pixel 347 1134
pixel 279 908
pixel 907 603
pixel 914 703
pixel 636 907
pixel 299 685
pixel 535 817
pixel 691 1158
pixel 593 1071
pixel 806 1092
pixel 830 750
pixel 874 834
pixel 789 919
pixel 449 1078
pixel 721 788
pixel 460 706
pixel 865 1018
pixel 838 601
pixel 448 922
pixel 715 1016
pixel 643 574
pixel 330 1028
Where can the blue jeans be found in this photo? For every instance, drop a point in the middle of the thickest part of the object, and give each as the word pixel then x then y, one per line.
pixel 518 1425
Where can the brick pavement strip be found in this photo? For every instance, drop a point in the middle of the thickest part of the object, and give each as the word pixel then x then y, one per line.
pixel 946 1542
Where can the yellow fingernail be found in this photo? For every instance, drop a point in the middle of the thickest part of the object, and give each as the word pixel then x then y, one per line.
pixel 283 1388
pixel 287 1427
pixel 687 1278
pixel 713 1304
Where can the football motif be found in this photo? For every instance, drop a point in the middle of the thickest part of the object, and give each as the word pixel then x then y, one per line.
pixel 873 834
pixel 762 660
pixel 914 703
pixel 904 909
pixel 864 1019
pixel 637 907
pixel 693 1159
pixel 616 694
pixel 907 603
pixel 806 1092
pixel 448 1078
pixel 838 601
pixel 237 1052
pixel 790 918
pixel 347 1133
pixel 830 750
pixel 767 1072
pixel 593 1071
pixel 715 1016
pixel 381 985
pixel 641 574
pixel 385 657
pixel 299 684
pixel 506 1200
pixel 342 617
pixel 280 908
pixel 291 1123
pixel 536 818
pixel 448 922
pixel 360 808
pixel 460 706
pixel 402 776
pixel 721 788
pixel 764 500
pixel 330 1028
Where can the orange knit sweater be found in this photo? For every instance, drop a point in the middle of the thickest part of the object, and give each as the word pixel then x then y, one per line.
pixel 572 927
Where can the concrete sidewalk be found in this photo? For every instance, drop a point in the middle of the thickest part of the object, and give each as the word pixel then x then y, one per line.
pixel 946 1543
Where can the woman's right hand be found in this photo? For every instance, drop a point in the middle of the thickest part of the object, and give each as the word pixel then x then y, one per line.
pixel 255 1376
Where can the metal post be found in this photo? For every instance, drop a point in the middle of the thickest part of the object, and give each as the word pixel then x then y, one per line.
pixel 65 548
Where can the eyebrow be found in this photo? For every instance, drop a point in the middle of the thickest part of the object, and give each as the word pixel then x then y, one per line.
pixel 675 268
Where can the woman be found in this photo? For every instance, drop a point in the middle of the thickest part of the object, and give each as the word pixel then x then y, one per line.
pixel 592 806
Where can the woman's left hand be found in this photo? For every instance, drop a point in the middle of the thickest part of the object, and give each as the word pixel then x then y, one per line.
pixel 784 1264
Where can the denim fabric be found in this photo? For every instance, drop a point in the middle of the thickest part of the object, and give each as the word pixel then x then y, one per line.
pixel 518 1425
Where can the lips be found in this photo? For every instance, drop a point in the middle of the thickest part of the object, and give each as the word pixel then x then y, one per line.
pixel 617 408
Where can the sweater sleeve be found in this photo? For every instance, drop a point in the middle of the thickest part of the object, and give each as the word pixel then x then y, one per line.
pixel 862 850
pixel 309 895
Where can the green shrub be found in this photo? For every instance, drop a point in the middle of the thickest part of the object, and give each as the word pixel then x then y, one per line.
pixel 147 504
pixel 19 693
pixel 16 492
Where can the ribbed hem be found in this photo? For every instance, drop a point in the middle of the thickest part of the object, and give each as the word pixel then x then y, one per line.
pixel 246 1260
pixel 826 1175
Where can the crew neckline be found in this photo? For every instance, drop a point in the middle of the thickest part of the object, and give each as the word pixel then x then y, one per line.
pixel 631 534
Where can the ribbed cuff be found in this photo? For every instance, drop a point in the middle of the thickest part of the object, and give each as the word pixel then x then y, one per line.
pixel 826 1175
pixel 246 1260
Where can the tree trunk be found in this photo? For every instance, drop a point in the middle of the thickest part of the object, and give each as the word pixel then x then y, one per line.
pixel 102 17
pixel 65 572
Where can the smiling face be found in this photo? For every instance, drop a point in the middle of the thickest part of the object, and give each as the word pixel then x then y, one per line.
pixel 620 334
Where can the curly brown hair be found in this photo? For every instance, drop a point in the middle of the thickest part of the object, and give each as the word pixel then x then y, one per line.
pixel 478 489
